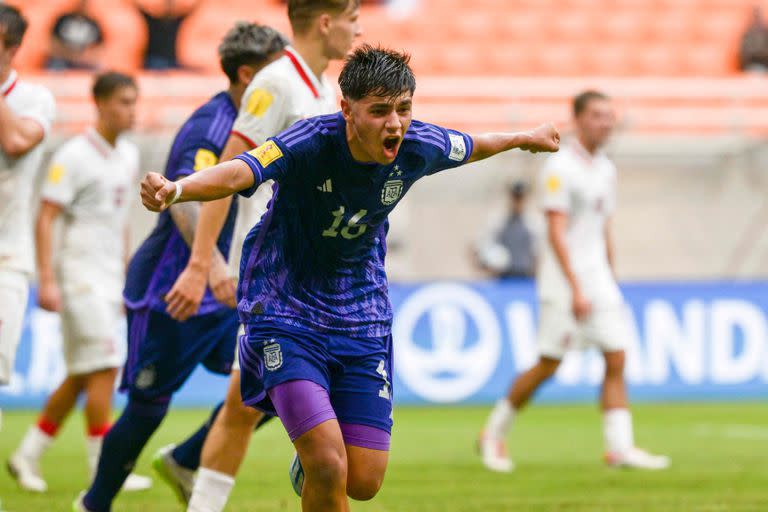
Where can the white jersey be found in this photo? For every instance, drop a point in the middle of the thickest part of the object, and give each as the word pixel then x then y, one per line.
pixel 582 186
pixel 284 92
pixel 17 175
pixel 93 181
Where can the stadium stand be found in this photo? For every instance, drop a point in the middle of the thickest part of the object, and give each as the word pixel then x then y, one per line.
pixel 691 125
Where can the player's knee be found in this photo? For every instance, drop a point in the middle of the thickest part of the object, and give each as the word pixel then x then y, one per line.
pixel 364 486
pixel 614 364
pixel 547 368
pixel 327 467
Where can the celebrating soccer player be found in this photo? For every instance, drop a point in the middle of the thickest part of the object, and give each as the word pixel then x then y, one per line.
pixel 87 184
pixel 313 291
pixel 580 302
pixel 290 89
pixel 26 114
pixel 163 352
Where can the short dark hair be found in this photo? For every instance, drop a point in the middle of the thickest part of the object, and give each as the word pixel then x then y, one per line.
pixel 301 13
pixel 105 84
pixel 376 71
pixel 248 43
pixel 14 25
pixel 581 100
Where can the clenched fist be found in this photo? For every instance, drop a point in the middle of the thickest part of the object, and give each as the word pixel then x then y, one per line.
pixel 157 192
pixel 544 138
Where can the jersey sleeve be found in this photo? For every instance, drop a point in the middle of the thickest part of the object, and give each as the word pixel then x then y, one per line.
pixel 263 111
pixel 553 181
pixel 40 108
pixel 444 148
pixel 61 183
pixel 197 153
pixel 269 161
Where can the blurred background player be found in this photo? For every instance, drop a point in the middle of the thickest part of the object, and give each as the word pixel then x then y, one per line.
pixel 292 88
pixel 163 351
pixel 89 183
pixel 26 114
pixel 314 291
pixel 508 250
pixel 580 301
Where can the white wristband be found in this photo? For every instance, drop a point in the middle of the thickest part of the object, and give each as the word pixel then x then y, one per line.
pixel 177 194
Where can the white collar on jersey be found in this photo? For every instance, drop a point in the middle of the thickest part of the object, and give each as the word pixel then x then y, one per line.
pixel 318 84
pixel 99 142
pixel 12 77
pixel 582 152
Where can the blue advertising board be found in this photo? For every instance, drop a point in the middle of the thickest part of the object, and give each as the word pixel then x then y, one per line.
pixel 464 342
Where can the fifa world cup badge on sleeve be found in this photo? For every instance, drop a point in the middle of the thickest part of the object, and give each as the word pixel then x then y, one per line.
pixel 267 153
pixel 273 356
pixel 458 148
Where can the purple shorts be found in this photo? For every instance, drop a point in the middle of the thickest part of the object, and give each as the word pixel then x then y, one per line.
pixel 306 378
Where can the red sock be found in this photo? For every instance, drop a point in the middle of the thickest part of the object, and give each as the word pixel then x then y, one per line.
pixel 45 425
pixel 98 431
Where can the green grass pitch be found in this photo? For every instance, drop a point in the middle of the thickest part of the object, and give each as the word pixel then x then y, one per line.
pixel 719 454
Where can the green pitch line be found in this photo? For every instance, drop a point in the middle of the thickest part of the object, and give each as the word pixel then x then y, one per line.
pixel 718 454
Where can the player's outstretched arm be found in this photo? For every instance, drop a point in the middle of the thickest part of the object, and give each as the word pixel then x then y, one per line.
pixel 222 180
pixel 544 138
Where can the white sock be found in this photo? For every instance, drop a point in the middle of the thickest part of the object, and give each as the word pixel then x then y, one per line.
pixel 211 491
pixel 34 444
pixel 93 450
pixel 617 429
pixel 500 419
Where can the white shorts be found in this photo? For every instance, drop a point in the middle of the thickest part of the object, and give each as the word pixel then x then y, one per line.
pixel 14 290
pixel 94 333
pixel 559 332
pixel 236 362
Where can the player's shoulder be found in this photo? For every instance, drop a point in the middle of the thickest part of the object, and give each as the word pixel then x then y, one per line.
pixel 31 91
pixel 217 105
pixel 312 132
pixel 211 121
pixel 72 148
pixel 423 136
pixel 277 76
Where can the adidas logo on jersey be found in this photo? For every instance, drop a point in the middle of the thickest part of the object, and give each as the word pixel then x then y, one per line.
pixel 326 187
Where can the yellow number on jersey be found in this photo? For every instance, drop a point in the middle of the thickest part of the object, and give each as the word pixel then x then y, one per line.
pixel 259 102
pixel 55 173
pixel 205 158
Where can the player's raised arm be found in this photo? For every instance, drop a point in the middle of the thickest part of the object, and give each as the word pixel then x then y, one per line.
pixel 544 138
pixel 222 180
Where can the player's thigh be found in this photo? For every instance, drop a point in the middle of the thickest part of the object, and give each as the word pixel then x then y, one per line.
pixel 272 354
pixel 607 329
pixel 14 291
pixel 93 329
pixel 558 332
pixel 366 468
pixel 361 392
pixel 163 353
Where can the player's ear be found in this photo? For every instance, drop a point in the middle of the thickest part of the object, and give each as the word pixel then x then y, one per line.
pixel 346 109
pixel 324 23
pixel 245 73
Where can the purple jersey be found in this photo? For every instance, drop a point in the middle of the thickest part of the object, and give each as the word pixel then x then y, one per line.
pixel 164 254
pixel 316 259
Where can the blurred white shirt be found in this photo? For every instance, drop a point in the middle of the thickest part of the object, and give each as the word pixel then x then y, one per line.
pixel 583 187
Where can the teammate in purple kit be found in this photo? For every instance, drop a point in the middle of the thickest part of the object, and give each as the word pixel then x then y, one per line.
pixel 313 291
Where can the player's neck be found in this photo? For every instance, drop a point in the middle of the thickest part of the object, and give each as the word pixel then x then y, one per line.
pixel 235 93
pixel 311 50
pixel 589 148
pixel 107 134
pixel 4 74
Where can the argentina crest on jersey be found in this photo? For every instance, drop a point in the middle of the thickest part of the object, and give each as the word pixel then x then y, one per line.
pixel 393 189
pixel 273 355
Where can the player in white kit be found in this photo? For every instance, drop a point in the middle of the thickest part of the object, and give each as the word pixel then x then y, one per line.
pixel 580 302
pixel 89 184
pixel 292 88
pixel 26 114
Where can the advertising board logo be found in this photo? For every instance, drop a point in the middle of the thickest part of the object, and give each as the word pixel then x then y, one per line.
pixel 447 342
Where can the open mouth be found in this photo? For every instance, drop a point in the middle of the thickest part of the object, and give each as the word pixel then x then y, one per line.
pixel 390 146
